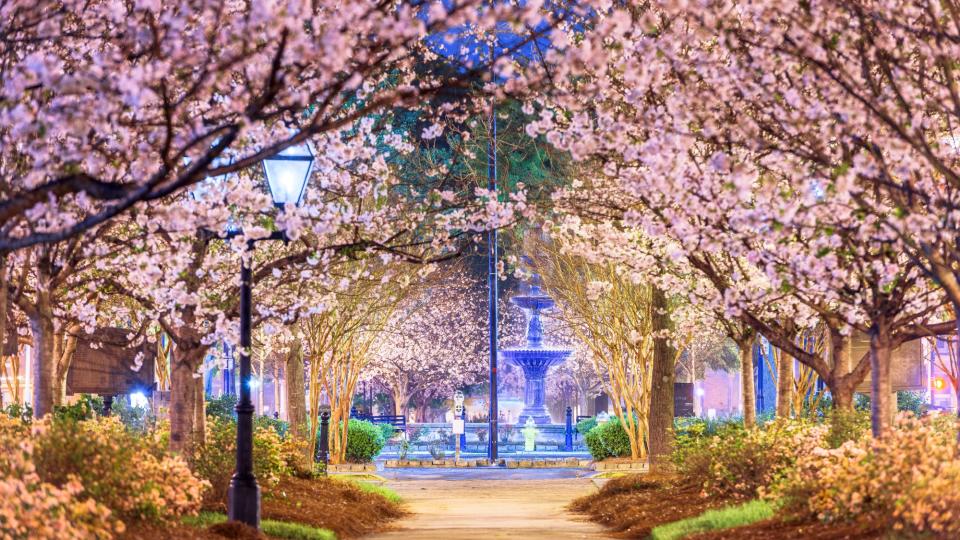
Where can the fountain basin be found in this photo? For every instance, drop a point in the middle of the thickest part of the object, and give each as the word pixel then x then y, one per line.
pixel 535 363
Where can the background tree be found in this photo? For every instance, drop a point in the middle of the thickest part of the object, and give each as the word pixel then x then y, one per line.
pixel 340 336
pixel 614 318
pixel 432 343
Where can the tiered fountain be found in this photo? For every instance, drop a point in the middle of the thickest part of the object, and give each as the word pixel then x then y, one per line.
pixel 534 359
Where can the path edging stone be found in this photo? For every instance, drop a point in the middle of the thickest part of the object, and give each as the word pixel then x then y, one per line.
pixel 542 463
pixel 633 466
pixel 352 467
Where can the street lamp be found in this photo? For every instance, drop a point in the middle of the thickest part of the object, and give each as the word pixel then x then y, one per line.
pixel 287 174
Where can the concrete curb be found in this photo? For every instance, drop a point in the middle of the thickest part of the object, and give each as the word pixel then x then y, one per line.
pixel 631 466
pixel 352 467
pixel 543 463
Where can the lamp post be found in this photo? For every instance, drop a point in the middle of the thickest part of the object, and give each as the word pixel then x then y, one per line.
pixel 287 174
pixel 493 293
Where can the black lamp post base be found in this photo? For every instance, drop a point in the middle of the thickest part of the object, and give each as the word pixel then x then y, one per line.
pixel 243 503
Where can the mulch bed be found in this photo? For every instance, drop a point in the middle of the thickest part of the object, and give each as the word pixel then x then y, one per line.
pixel 231 529
pixel 631 506
pixel 337 505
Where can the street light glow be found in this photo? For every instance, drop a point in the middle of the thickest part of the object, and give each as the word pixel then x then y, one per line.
pixel 139 400
pixel 287 173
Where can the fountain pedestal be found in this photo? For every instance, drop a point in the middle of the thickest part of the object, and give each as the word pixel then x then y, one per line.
pixel 535 360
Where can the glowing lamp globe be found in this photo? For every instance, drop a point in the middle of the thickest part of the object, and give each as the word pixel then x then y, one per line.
pixel 287 173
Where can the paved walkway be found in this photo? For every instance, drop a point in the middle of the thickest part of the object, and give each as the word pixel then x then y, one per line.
pixel 458 504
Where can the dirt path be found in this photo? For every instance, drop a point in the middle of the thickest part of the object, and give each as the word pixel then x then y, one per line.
pixel 464 509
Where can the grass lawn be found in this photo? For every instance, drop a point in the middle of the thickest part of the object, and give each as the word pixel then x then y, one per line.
pixel 277 529
pixel 372 487
pixel 711 520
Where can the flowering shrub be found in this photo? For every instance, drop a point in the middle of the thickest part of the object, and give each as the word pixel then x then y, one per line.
pixel 126 473
pixel 295 454
pixel 906 480
pixel 33 509
pixel 847 426
pixel 736 462
pixel 691 433
pixel 215 461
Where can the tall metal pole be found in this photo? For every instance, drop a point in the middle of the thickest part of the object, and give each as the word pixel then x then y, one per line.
pixel 243 497
pixel 492 277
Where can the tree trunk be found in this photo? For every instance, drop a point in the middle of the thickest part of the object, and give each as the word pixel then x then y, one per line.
pixel 956 387
pixel 881 404
pixel 45 395
pixel 185 407
pixel 64 347
pixel 746 383
pixel 661 411
pixel 199 428
pixel 400 399
pixel 785 386
pixel 422 408
pixel 296 392
pixel 4 318
pixel 842 417
pixel 842 397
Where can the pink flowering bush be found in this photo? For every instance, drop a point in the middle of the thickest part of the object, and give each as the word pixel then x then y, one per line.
pixel 126 472
pixel 737 462
pixel 907 480
pixel 33 509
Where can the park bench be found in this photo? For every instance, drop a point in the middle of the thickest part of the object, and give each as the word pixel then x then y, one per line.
pixel 398 421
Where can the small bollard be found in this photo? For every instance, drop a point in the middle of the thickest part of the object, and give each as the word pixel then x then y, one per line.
pixel 324 452
pixel 568 435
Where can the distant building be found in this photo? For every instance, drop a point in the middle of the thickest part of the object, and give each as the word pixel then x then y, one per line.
pixel 942 394
pixel 717 395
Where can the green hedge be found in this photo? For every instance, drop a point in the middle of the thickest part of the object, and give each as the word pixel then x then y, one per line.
pixel 387 430
pixel 223 407
pixel 584 426
pixel 607 440
pixel 595 445
pixel 364 441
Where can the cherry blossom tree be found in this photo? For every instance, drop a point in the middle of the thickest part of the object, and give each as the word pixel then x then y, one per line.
pixel 719 137
pixel 49 286
pixel 108 104
pixel 432 344
pixel 578 370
